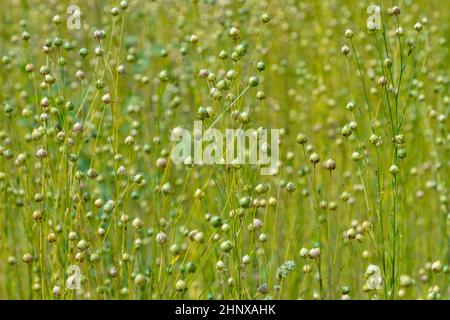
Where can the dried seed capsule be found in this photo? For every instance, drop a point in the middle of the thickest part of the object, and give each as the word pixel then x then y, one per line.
pixel 330 164
pixel 290 187
pixel 27 258
pixel 161 238
pixel 394 169
pixel 395 11
pixel 345 50
pixel 180 285
pixel 314 158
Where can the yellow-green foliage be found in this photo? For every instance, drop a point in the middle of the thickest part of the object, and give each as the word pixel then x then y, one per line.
pixel 89 195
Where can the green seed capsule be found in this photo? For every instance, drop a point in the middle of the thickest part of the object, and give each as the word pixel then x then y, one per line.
pixel 253 81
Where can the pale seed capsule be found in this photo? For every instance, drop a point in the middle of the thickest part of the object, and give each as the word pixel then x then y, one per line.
pixel 37 215
pixel 38 197
pixel 314 158
pixel 80 257
pixel 82 245
pixel 124 218
pixel 399 31
pixel 346 131
pixel 99 203
pixel 356 156
pixel 199 237
pixel 27 258
pixel 272 201
pixel 330 164
pixel 265 18
pixel 77 127
pixel 92 173
pixel 350 106
pixel 345 196
pixel 374 139
pixel 180 285
pixel 51 237
pixel 225 227
pixel 139 280
pixel 79 75
pixel 12 261
pixel 436 266
pixel 345 50
pixel 106 99
pixel 387 62
pixel 349 33
pixel 44 70
pixel 49 79
pixel 399 139
pixel 262 237
pixel 161 163
pixel 115 11
pixel 99 34
pixel 41 153
pixel 234 33
pixel 203 73
pixel 121 69
pixel 406 281
pixel 56 291
pixel 73 236
pixel 29 68
pixel 220 265
pixel 394 169
pixel 290 187
pixel 226 246
pixel 161 238
pixel 98 51
pixel 332 205
pixel 395 11
pixel 101 232
pixel 126 257
pixel 257 224
pixel 199 194
pixel 366 225
pixel 418 27
pixel 113 272
pixel 121 171
pixel 137 223
pixel 261 188
pixel 193 39
pixel 304 253
pixel 314 253
pixel 61 136
pixel 382 81
pixel 129 140
pixel 246 259
pixel 350 233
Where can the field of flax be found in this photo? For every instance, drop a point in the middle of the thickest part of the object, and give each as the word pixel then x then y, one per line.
pixel 93 207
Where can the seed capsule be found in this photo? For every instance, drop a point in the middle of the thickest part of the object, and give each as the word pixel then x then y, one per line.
pixel 345 50
pixel 161 238
pixel 330 164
